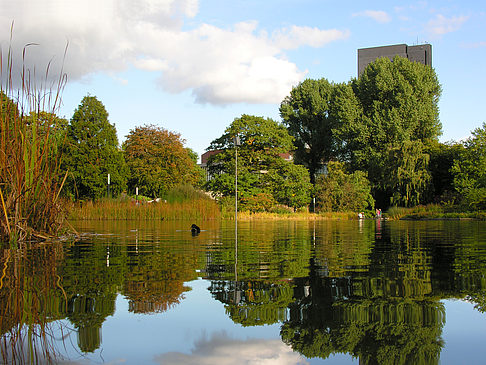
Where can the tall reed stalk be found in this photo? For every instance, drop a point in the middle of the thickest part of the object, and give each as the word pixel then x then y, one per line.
pixel 30 176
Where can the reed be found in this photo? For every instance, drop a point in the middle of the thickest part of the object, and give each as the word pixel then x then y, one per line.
pixel 30 176
pixel 432 211
pixel 244 215
pixel 198 209
pixel 31 299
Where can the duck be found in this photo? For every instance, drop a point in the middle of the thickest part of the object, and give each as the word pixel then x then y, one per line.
pixel 195 230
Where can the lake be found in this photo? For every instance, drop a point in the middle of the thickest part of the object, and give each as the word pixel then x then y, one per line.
pixel 274 292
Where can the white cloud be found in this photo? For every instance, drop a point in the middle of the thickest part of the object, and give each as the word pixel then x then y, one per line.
pixel 295 37
pixel 377 15
pixel 441 25
pixel 219 65
pixel 225 351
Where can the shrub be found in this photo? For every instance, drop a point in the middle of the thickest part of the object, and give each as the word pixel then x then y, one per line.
pixel 261 202
pixel 341 192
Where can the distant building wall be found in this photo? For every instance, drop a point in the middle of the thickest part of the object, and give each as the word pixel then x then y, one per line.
pixel 421 53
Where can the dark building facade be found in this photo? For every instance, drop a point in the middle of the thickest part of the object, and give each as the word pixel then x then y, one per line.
pixel 421 53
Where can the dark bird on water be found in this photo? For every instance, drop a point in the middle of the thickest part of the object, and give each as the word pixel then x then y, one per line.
pixel 195 230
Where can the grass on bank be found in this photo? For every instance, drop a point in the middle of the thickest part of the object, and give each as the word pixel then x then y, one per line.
pixel 432 211
pixel 183 202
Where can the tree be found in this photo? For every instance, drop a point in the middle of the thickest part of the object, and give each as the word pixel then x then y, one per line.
pixel 442 158
pixel 261 169
pixel 92 153
pixel 307 114
pixel 289 183
pixel 398 104
pixel 405 175
pixel 157 161
pixel 340 192
pixel 469 170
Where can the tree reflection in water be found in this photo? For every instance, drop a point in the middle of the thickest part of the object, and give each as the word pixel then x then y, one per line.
pixel 373 293
pixel 370 291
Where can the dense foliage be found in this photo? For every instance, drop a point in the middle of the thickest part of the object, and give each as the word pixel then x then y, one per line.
pixel 263 174
pixel 381 123
pixel 307 114
pixel 92 153
pixel 398 116
pixel 158 161
pixel 470 170
pixel 442 157
pixel 339 191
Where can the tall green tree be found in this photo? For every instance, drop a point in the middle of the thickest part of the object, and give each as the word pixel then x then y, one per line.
pixel 261 168
pixel 307 114
pixel 398 104
pixel 92 153
pixel 469 170
pixel 158 161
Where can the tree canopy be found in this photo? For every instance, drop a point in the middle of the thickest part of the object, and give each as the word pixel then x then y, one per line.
pixel 398 116
pixel 380 123
pixel 469 170
pixel 157 161
pixel 92 153
pixel 262 171
pixel 338 191
pixel 308 117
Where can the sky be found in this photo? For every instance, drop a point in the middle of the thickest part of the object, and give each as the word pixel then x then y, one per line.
pixel 193 66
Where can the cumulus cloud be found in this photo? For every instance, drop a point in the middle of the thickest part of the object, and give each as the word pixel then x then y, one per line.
pixel 219 65
pixel 441 25
pixel 379 16
pixel 225 351
pixel 295 36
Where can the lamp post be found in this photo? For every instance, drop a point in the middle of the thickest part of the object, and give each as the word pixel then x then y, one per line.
pixel 236 294
pixel 237 143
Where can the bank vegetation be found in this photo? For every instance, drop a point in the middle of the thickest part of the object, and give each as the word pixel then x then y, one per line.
pixel 341 149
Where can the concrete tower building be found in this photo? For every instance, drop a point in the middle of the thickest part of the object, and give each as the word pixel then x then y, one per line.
pixel 421 53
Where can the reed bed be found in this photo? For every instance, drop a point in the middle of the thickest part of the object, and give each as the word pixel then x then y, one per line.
pixel 292 216
pixel 199 209
pixel 30 176
pixel 432 211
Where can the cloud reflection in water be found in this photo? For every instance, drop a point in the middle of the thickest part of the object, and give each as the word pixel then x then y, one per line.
pixel 221 349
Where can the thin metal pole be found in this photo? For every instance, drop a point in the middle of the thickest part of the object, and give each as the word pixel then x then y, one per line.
pixel 236 184
pixel 236 219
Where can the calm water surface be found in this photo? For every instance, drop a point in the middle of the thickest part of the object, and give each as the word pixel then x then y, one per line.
pixel 281 292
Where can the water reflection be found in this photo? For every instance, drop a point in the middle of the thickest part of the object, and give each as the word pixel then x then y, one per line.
pixel 369 289
pixel 222 349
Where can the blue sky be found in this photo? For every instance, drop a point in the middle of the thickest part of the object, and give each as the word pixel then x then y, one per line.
pixel 193 66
